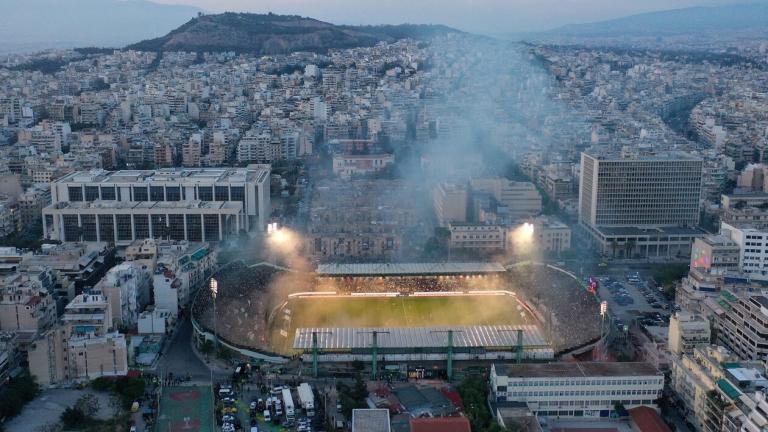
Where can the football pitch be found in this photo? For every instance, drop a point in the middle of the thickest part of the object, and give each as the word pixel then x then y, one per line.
pixel 187 409
pixel 394 312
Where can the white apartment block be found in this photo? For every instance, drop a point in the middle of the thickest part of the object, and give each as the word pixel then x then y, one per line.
pixel 204 204
pixel 743 328
pixel 753 248
pixel 587 389
pixel 686 332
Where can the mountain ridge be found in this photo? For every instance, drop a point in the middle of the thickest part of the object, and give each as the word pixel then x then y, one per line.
pixel 691 20
pixel 277 34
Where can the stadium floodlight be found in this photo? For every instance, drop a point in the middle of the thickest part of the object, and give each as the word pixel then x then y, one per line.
pixel 214 293
pixel 603 308
pixel 214 288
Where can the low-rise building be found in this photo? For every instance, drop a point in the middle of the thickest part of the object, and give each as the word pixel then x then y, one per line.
pixel 552 235
pixel 478 237
pixel 348 165
pixel 576 389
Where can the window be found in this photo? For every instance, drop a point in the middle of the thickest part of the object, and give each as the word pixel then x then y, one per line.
pixel 222 193
pixel 211 227
pixel 159 227
pixel 205 193
pixel 91 193
pixel 75 193
pixel 194 228
pixel 140 194
pixel 141 226
pixel 172 193
pixel 124 231
pixel 156 193
pixel 108 193
pixel 71 228
pixel 176 226
pixel 106 228
pixel 88 225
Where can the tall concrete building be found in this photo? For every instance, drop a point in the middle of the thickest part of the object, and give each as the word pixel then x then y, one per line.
pixel 204 204
pixel 743 327
pixel 450 203
pixel 641 206
pixel 522 199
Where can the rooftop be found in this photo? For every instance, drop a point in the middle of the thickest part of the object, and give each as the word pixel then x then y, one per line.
pixel 576 369
pixel 146 205
pixel 423 337
pixel 391 269
pixel 370 420
pixel 176 175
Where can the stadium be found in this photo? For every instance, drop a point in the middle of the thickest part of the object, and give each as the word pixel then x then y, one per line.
pixel 406 314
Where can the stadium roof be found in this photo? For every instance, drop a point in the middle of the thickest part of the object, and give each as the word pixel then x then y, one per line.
pixel 394 269
pixel 423 337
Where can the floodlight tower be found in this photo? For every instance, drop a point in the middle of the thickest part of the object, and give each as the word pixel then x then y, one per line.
pixel 450 350
pixel 603 313
pixel 316 351
pixel 519 344
pixel 374 350
pixel 214 293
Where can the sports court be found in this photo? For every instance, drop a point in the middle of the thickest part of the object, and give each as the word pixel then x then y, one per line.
pixel 186 409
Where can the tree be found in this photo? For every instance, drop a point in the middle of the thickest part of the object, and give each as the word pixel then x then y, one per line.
pixel 88 404
pixel 207 347
pixel 72 418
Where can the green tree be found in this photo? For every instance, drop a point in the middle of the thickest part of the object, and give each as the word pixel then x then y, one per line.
pixel 207 347
pixel 73 418
pixel 88 405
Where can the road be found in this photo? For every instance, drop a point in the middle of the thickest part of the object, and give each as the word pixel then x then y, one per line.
pixel 180 359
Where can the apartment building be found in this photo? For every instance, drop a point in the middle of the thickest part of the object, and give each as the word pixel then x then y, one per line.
pixel 686 332
pixel 715 255
pixel 576 389
pixel 450 202
pixel 753 248
pixel 82 347
pixel 743 327
pixel 176 203
pixel 522 199
pixel 25 307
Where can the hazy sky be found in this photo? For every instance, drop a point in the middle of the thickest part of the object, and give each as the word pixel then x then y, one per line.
pixel 482 16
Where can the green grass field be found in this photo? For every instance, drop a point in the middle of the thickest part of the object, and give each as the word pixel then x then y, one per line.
pixel 392 312
pixel 186 409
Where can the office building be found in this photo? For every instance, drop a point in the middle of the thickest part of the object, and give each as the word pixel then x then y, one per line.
pixel 204 204
pixel 576 389
pixel 641 206
pixel 551 234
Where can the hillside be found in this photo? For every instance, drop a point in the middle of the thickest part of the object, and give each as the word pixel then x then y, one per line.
pixel 691 21
pixel 276 34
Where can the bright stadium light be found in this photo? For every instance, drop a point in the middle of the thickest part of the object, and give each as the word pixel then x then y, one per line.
pixel 214 287
pixel 603 308
pixel 214 293
pixel 528 230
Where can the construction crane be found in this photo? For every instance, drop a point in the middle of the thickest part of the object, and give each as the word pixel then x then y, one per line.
pixel 374 350
pixel 450 350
